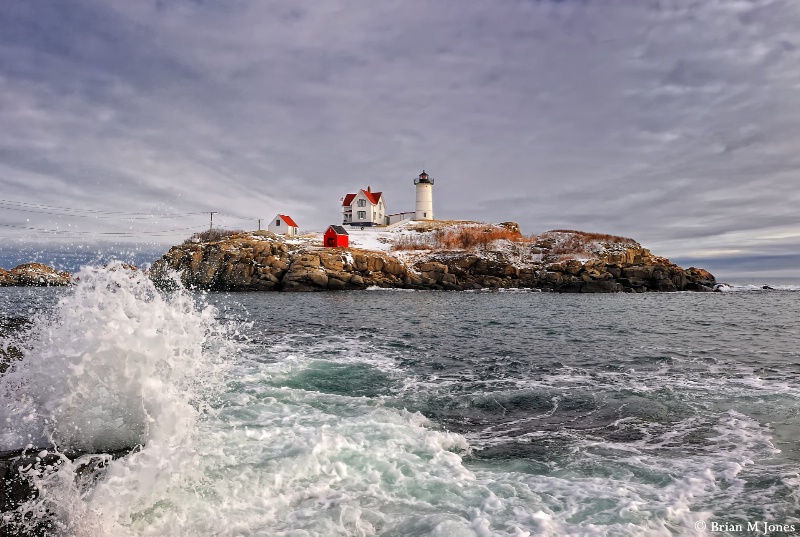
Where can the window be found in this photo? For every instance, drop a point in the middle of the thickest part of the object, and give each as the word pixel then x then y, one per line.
pixel 362 215
pixel 362 203
pixel 424 215
pixel 277 222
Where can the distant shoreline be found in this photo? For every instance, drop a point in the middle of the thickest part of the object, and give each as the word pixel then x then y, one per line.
pixel 430 255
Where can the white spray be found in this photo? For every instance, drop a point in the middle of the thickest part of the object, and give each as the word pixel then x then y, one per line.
pixel 117 364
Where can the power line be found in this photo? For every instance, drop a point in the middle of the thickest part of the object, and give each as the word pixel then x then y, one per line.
pixel 237 217
pixel 24 205
pixel 73 232
pixel 99 217
pixel 96 214
pixel 27 207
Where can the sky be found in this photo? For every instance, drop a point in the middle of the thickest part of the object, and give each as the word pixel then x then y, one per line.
pixel 674 122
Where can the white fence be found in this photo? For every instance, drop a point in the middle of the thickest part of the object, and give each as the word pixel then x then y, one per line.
pixel 376 229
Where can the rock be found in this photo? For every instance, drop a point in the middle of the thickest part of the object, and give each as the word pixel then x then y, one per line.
pixel 303 278
pixel 553 277
pixel 374 263
pixel 432 267
pixel 9 327
pixel 463 263
pixel 318 278
pixel 278 263
pixel 572 286
pixel 19 467
pixel 335 284
pixel 393 266
pixel 637 272
pixel 361 262
pixel 492 282
pixel 694 286
pixel 595 274
pixel 449 279
pixel 664 285
pixel 573 266
pixel 306 260
pixel 331 261
pixel 602 286
pixel 34 275
pixel 511 226
pixel 412 281
pixel 701 276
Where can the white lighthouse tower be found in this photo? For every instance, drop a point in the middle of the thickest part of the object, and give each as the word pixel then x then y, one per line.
pixel 424 209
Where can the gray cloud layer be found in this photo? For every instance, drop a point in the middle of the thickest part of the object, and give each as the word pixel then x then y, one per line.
pixel 676 122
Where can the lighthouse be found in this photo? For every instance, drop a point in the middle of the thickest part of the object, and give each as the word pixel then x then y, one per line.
pixel 424 209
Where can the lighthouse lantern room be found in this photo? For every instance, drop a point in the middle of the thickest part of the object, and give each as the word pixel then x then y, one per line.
pixel 424 208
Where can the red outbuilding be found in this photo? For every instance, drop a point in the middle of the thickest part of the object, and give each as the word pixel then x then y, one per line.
pixel 336 236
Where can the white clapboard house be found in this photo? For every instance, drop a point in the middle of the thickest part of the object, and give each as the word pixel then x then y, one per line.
pixel 364 208
pixel 283 225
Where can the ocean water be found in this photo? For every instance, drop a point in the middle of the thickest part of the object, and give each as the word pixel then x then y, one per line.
pixel 395 413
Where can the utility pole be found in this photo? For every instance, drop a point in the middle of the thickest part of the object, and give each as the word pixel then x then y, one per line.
pixel 210 227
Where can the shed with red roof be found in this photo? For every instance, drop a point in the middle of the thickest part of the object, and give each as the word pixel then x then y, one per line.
pixel 336 236
pixel 283 225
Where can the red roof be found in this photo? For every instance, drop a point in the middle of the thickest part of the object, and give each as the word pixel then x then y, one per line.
pixel 373 197
pixel 288 220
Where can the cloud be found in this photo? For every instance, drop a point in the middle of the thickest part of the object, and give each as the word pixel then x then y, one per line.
pixel 672 122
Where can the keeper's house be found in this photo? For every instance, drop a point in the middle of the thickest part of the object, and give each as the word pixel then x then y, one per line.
pixel 364 208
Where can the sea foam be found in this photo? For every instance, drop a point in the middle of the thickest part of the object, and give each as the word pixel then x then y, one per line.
pixel 116 365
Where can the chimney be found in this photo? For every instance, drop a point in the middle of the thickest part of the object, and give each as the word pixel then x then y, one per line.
pixel 369 189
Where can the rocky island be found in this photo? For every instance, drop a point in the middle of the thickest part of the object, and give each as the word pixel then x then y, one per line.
pixel 433 255
pixel 33 275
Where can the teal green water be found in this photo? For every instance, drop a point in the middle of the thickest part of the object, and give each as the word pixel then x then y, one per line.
pixel 688 401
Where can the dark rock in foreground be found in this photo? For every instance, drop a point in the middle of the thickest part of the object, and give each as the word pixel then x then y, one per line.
pixel 19 468
pixel 9 327
pixel 262 261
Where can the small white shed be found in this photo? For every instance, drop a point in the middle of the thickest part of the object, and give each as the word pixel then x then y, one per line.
pixel 283 225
